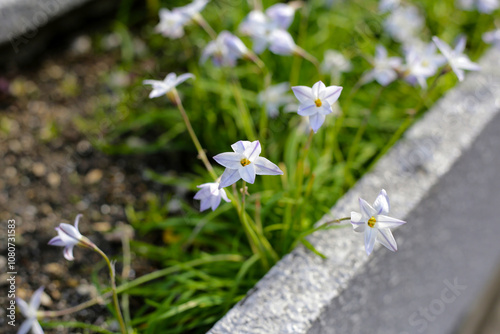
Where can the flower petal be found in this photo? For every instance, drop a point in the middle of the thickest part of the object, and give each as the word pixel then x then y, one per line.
pixel 229 160
pixel 316 121
pixel 331 94
pixel 370 237
pixel 381 204
pixel 23 306
pixel 460 46
pixel 183 77
pixel 224 195
pixel 307 109
pixel 240 146
pixel 386 238
pixel 157 93
pixel 303 93
pixel 265 167
pixel 56 241
pixel 36 328
pixel 253 150
pixel 247 173
pixel 229 177
pixel 26 325
pixel 202 193
pixel 68 253
pixel 388 222
pixel 215 201
pixel 317 89
pixel 35 298
pixel 70 230
pixel 77 220
pixel 443 47
pixel 366 209
pixel 205 204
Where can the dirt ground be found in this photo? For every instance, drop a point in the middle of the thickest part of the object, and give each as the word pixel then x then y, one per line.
pixel 49 173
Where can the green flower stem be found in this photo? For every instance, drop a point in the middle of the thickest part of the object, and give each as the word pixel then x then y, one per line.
pixel 263 122
pixel 204 24
pixel 194 138
pixel 244 114
pixel 295 72
pixel 113 290
pixel 141 280
pixel 318 228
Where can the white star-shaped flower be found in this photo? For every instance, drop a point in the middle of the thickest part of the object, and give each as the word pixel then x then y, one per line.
pixel 375 223
pixel 275 97
pixel 224 50
pixel 385 69
pixel 210 195
pixel 169 83
pixel 422 62
pixel 492 37
pixel 69 237
pixel 30 311
pixel 171 23
pixel 316 102
pixel 244 163
pixel 456 57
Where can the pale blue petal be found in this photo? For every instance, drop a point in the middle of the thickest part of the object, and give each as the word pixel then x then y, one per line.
pixel 240 146
pixel 366 209
pixel 381 204
pixel 23 306
pixel 317 89
pixel 229 160
pixel 386 238
pixel 265 167
pixel 229 177
pixel 316 121
pixel 253 150
pixel 388 222
pixel 247 173
pixel 57 241
pixel 36 328
pixel 331 94
pixel 35 298
pixel 25 326
pixel 370 237
pixel 307 109
pixel 68 253
pixel 303 94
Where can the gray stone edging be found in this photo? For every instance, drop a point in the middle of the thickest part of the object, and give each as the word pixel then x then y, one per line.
pixel 292 295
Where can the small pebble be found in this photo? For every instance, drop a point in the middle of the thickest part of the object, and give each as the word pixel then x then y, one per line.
pixel 39 169
pixel 94 176
pixel 54 180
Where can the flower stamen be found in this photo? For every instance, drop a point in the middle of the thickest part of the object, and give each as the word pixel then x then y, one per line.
pixel 372 221
pixel 245 162
pixel 318 103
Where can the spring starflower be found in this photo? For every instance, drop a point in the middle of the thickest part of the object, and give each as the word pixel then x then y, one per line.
pixel 171 24
pixel 492 37
pixel 275 97
pixel 224 50
pixel 210 195
pixel 456 58
pixel 483 6
pixel 168 84
pixel 404 24
pixel 335 63
pixel 422 62
pixel 375 223
pixel 192 9
pixel 30 311
pixel 69 237
pixel 281 43
pixel 244 163
pixel 385 69
pixel 385 6
pixel 316 102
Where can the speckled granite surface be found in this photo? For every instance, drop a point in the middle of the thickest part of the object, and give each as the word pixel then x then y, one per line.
pixel 303 293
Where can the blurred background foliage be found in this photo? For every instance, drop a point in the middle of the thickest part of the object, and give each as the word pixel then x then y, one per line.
pixel 171 231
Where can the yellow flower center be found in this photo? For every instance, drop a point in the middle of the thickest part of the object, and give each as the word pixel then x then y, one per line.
pixel 318 103
pixel 245 162
pixel 372 221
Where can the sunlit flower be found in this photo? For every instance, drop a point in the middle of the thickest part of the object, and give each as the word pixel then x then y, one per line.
pixel 316 102
pixel 492 37
pixel 275 97
pixel 404 24
pixel 456 58
pixel 224 50
pixel 483 6
pixel 335 63
pixel 385 6
pixel 171 24
pixel 192 9
pixel 30 311
pixel 261 26
pixel 69 237
pixel 210 195
pixel 375 223
pixel 244 163
pixel 422 62
pixel 169 83
pixel 281 43
pixel 384 68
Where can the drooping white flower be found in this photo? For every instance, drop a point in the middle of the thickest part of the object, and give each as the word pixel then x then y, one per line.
pixel 492 37
pixel 244 163
pixel 169 83
pixel 275 97
pixel 210 195
pixel 281 43
pixel 375 223
pixel 69 237
pixel 30 311
pixel 335 63
pixel 261 26
pixel 404 24
pixel 224 50
pixel 385 6
pixel 171 24
pixel 422 62
pixel 483 6
pixel 456 57
pixel 316 102
pixel 385 69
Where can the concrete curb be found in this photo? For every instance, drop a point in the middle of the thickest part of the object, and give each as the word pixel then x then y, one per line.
pixel 292 295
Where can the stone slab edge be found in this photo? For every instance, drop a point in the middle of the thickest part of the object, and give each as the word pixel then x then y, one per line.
pixel 293 293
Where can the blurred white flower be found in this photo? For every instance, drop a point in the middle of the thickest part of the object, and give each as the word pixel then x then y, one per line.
pixel 456 57
pixel 210 196
pixel 335 63
pixel 69 237
pixel 224 50
pixel 422 62
pixel 244 163
pixel 483 6
pixel 385 6
pixel 404 24
pixel 275 97
pixel 316 102
pixel 385 69
pixel 169 83
pixel 492 37
pixel 375 223
pixel 260 27
pixel 281 43
pixel 30 311
pixel 172 22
